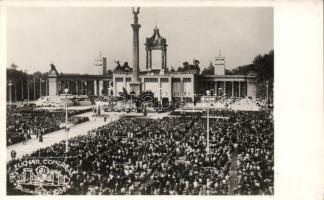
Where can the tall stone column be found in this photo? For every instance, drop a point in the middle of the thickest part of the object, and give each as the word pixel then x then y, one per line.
pixel 135 51
pixel 233 88
pixel 135 85
pixel 239 92
pixel 224 90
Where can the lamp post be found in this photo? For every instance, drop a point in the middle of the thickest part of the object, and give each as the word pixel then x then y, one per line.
pixel 193 107
pixel 66 122
pixel 10 84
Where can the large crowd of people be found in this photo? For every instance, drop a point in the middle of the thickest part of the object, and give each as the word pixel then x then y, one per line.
pixel 23 122
pixel 169 156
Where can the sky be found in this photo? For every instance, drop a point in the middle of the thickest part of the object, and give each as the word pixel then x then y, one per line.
pixel 72 37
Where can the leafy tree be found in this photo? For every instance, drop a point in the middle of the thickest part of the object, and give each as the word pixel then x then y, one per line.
pixel 13 66
pixel 187 66
pixel 210 70
pixel 263 66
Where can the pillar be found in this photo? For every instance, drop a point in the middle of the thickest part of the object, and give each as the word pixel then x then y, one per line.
pixel 251 88
pixel 162 60
pixel 135 84
pixel 160 90
pixel 224 90
pixel 181 88
pixel 46 89
pixel 115 87
pixel 150 60
pixel 239 92
pixel 215 89
pixel 52 86
pixel 135 27
pixel 76 87
pixel 165 59
pixel 95 87
pixel 170 95
pixel 233 88
pixel 147 59
pixel 100 87
pixel 193 86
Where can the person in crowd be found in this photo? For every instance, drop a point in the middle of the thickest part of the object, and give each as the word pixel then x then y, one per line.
pixel 169 157
pixel 22 122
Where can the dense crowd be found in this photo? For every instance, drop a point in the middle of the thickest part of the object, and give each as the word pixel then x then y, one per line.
pixel 168 156
pixel 23 122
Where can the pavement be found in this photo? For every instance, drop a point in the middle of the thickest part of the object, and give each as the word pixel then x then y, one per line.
pixel 57 136
pixel 79 129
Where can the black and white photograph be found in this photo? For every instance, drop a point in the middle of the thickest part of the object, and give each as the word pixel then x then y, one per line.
pixel 140 100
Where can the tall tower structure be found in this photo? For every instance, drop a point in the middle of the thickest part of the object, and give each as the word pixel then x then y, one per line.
pixel 156 42
pixel 100 65
pixel 220 64
pixel 135 84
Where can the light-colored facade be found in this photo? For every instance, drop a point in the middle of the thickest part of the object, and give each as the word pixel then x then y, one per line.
pixel 165 85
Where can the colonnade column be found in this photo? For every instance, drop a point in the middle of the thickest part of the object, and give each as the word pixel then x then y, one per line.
pixel 224 93
pixel 193 86
pixel 215 89
pixel 233 88
pixel 160 90
pixel 239 92
pixel 100 87
pixel 147 59
pixel 76 87
pixel 115 86
pixel 150 60
pixel 162 59
pixel 95 87
pixel 181 89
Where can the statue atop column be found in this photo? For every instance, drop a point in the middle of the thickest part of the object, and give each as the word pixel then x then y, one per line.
pixel 135 14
